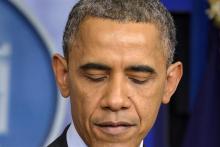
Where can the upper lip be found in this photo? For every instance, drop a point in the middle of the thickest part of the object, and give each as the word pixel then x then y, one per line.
pixel 115 124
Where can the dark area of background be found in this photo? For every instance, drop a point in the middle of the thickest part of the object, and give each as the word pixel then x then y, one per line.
pixel 179 106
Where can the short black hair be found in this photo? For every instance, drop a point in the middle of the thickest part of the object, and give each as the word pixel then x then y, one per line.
pixel 138 11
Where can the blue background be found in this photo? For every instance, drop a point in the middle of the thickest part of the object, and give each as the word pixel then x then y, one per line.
pixel 33 94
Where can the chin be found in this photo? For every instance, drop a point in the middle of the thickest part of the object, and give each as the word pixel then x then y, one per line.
pixel 116 136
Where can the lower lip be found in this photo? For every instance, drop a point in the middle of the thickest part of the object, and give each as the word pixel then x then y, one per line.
pixel 115 130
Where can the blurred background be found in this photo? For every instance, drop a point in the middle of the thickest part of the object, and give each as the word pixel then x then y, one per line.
pixel 32 112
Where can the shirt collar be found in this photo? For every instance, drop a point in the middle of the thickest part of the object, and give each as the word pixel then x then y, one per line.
pixel 73 138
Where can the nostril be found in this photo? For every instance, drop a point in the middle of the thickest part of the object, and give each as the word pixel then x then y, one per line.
pixel 114 108
pixel 124 108
pixel 106 108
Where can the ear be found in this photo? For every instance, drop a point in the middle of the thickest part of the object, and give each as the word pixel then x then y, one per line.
pixel 60 69
pixel 174 74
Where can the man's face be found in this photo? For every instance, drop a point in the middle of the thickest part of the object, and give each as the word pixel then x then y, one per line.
pixel 116 78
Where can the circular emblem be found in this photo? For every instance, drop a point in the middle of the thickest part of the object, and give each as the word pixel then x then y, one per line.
pixel 30 110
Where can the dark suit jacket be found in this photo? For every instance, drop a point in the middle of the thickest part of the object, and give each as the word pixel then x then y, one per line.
pixel 61 140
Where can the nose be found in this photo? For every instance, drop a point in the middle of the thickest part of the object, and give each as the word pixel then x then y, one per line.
pixel 116 95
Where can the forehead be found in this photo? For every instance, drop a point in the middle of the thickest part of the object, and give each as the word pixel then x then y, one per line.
pixel 98 29
pixel 98 36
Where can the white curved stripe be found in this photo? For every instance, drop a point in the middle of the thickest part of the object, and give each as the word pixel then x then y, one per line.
pixel 61 104
pixel 5 53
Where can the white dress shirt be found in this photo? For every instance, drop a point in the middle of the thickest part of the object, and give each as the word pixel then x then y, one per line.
pixel 74 140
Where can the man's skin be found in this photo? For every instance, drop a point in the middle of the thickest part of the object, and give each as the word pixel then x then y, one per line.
pixel 117 77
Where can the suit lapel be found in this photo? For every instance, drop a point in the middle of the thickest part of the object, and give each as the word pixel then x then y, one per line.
pixel 61 140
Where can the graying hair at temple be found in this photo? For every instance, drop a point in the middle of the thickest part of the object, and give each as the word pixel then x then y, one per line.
pixel 137 11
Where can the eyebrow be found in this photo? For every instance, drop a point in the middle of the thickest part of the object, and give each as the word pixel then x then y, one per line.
pixel 141 68
pixel 135 68
pixel 95 66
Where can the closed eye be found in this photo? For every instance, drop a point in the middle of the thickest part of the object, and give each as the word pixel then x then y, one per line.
pixel 140 74
pixel 139 80
pixel 95 77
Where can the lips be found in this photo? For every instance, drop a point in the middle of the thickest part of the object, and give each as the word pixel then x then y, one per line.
pixel 114 128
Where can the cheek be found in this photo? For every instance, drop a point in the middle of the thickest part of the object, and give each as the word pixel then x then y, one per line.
pixel 84 99
pixel 147 100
